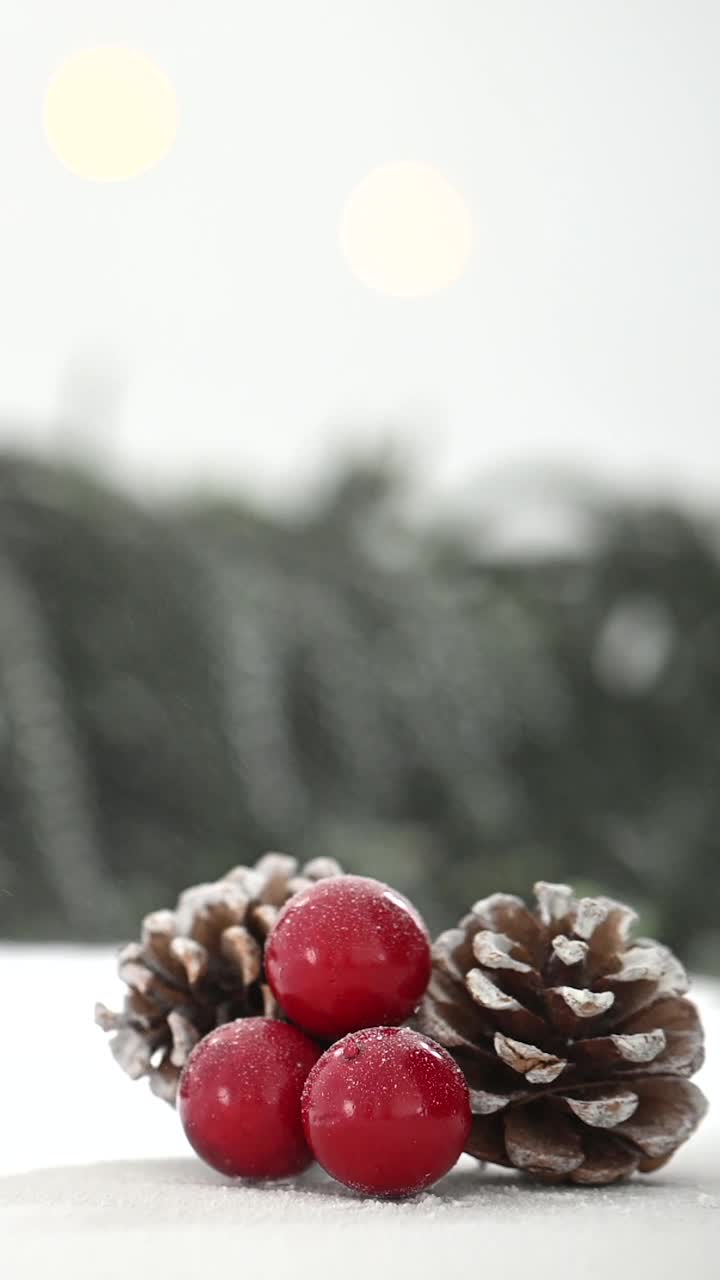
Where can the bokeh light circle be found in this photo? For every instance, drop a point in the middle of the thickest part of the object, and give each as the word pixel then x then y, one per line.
pixel 406 231
pixel 110 113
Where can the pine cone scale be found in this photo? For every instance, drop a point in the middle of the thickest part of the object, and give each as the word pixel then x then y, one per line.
pixel 192 959
pixel 605 1161
pixel 242 952
pixel 576 1043
pixel 542 1140
pixel 604 1106
pixel 669 1110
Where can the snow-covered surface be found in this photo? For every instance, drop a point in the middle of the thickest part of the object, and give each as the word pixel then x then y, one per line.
pixel 149 1208
pixel 177 1220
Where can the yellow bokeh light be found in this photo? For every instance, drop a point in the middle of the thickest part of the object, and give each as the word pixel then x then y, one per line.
pixel 406 231
pixel 110 113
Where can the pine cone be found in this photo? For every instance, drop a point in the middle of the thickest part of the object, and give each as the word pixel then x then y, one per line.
pixel 201 965
pixel 575 1042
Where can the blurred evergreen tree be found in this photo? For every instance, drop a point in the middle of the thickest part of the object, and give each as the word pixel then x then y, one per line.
pixel 184 687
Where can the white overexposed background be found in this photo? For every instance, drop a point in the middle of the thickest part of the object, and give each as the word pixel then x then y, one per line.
pixel 200 323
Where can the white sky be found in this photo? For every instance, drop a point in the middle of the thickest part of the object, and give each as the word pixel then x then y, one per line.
pixel 584 136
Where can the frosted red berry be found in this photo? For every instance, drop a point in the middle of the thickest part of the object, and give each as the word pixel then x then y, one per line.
pixel 348 953
pixel 386 1111
pixel 239 1098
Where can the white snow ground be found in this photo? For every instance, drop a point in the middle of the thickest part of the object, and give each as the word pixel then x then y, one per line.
pixel 101 1183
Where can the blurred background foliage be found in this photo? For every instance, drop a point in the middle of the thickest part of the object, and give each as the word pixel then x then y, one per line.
pixel 184 687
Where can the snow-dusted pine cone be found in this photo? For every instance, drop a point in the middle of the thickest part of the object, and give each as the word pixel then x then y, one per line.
pixel 201 965
pixel 575 1042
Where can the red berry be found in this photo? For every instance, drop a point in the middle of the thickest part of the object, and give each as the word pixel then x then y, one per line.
pixel 348 953
pixel 239 1098
pixel 386 1111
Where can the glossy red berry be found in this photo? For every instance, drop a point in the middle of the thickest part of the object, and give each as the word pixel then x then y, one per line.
pixel 386 1111
pixel 347 953
pixel 239 1098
